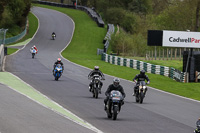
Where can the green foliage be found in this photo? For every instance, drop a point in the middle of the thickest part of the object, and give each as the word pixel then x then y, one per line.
pixel 13 15
pixel 129 23
pixel 179 16
pixel 140 6
pixel 115 15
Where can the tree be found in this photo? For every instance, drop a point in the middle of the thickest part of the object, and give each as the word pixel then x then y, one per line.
pixel 140 6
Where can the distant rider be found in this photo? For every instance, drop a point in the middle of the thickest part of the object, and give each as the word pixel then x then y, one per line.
pixel 54 34
pixel 115 86
pixel 96 71
pixel 34 48
pixel 197 130
pixel 138 78
pixel 58 62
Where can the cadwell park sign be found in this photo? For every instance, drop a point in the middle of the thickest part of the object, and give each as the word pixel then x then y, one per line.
pixel 179 39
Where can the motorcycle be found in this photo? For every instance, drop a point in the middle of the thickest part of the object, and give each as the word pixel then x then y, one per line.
pixel 33 52
pixel 197 130
pixel 140 92
pixel 58 71
pixel 53 36
pixel 114 104
pixel 96 85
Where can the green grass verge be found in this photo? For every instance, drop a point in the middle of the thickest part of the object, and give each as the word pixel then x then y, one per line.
pixel 33 25
pixel 11 51
pixel 88 37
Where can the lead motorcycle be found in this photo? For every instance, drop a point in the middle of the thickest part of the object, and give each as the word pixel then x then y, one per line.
pixel 114 104
pixel 140 92
pixel 58 71
pixel 95 90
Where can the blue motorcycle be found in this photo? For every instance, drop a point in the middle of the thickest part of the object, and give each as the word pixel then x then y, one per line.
pixel 58 71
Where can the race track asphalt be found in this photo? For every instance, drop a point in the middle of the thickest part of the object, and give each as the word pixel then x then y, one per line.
pixel 160 112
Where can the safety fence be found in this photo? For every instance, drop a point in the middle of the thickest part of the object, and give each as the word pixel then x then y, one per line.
pixel 91 11
pixel 149 68
pixel 1 56
pixel 15 38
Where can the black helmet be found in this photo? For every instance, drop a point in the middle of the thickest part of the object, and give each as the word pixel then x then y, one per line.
pixel 116 82
pixel 142 72
pixel 96 68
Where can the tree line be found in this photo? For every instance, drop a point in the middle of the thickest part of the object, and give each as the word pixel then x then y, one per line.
pixel 13 15
pixel 136 17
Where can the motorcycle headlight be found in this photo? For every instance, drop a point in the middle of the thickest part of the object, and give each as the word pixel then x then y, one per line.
pixel 144 87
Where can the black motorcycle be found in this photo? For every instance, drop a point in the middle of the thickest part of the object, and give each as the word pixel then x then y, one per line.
pixel 140 92
pixel 197 130
pixel 114 104
pixel 53 36
pixel 96 85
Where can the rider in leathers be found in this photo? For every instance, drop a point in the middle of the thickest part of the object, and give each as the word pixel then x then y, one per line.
pixel 197 130
pixel 96 71
pixel 58 62
pixel 138 78
pixel 115 86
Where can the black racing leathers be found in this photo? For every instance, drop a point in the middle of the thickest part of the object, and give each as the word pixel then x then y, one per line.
pixel 140 77
pixel 110 88
pixel 95 72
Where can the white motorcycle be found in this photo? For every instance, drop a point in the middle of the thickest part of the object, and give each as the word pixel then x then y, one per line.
pixel 33 52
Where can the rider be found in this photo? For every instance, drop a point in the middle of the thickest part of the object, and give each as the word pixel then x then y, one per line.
pixel 115 86
pixel 54 34
pixel 197 130
pixel 58 62
pixel 140 77
pixel 96 71
pixel 34 47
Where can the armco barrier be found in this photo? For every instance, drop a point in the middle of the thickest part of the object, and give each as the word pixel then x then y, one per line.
pixel 1 56
pixel 95 16
pixel 149 68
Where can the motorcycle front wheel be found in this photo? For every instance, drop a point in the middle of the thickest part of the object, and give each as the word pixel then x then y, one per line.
pixel 115 110
pixel 141 97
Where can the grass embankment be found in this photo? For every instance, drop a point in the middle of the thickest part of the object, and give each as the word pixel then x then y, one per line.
pixel 83 48
pixel 33 25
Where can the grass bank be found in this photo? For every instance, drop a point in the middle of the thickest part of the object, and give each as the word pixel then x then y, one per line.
pixel 33 25
pixel 88 37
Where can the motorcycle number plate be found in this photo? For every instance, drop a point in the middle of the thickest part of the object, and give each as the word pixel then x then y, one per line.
pixel 116 98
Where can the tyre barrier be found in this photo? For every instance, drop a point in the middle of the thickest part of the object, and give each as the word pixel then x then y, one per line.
pixel 149 68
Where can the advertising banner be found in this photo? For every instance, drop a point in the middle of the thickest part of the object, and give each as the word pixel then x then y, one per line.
pixel 181 39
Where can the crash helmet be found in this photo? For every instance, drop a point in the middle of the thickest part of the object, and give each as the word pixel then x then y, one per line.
pixel 34 46
pixel 116 82
pixel 142 72
pixel 96 67
pixel 59 60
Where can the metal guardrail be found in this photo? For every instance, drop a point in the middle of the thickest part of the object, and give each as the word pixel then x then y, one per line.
pixel 107 38
pixel 95 16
